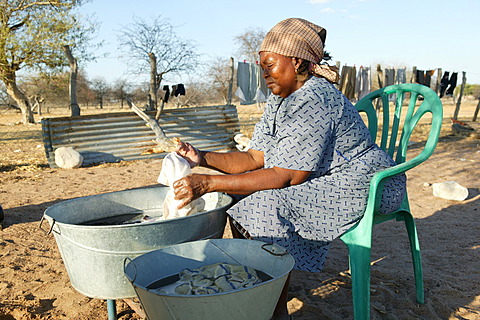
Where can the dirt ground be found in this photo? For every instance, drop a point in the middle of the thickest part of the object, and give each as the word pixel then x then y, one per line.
pixel 34 283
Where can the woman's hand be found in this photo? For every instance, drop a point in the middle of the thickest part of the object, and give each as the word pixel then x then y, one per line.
pixel 190 188
pixel 191 154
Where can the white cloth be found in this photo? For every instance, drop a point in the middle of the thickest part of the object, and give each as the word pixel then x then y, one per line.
pixel 175 167
pixel 260 96
pixel 240 95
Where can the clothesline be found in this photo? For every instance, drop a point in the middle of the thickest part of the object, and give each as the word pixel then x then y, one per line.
pixel 354 82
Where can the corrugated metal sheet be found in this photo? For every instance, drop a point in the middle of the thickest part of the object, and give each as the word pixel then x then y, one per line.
pixel 123 136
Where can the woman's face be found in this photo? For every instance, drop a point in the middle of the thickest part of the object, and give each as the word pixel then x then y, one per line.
pixel 279 73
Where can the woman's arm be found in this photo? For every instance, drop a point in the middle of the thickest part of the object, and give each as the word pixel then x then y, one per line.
pixel 231 162
pixel 194 186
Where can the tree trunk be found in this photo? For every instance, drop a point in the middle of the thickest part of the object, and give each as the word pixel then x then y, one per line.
pixel 153 82
pixel 20 98
pixel 37 104
pixel 74 108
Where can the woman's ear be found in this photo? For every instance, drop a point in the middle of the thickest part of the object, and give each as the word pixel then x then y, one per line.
pixel 296 63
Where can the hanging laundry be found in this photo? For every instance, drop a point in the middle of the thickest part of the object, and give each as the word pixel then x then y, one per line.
pixel 164 94
pixel 180 90
pixel 444 83
pixel 420 77
pixel 424 77
pixel 448 84
pixel 364 82
pixel 254 81
pixel 251 85
pixel 401 76
pixel 390 80
pixel 263 86
pixel 347 82
pixel 240 95
pixel 243 82
pixel 452 83
pixel 389 77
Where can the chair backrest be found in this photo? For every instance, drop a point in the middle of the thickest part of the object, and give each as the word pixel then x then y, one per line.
pixel 398 127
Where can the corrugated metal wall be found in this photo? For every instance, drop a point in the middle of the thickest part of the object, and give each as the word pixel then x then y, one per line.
pixel 123 136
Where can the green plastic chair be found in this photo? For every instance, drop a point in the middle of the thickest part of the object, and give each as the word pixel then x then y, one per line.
pixel 359 238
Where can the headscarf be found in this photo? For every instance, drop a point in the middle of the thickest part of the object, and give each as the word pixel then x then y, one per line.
pixel 300 38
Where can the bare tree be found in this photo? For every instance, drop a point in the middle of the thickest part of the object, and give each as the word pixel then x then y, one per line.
pixel 121 90
pixel 156 46
pixel 54 88
pixel 219 74
pixel 139 93
pixel 100 87
pixel 249 43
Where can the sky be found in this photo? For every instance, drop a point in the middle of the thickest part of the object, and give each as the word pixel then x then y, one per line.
pixel 428 34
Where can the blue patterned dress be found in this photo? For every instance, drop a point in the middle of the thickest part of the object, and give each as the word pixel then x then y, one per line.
pixel 314 129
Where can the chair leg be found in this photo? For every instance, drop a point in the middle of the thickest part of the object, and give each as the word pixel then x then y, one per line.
pixel 416 257
pixel 359 260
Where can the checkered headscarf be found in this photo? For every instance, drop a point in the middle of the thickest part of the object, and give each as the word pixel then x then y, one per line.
pixel 300 38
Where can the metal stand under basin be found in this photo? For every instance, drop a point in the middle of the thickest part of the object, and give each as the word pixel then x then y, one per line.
pixel 112 309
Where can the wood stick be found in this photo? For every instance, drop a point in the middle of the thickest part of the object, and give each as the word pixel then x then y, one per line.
pixel 161 138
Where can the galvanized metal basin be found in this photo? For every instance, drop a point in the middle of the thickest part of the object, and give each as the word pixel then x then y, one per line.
pixel 94 255
pixel 257 302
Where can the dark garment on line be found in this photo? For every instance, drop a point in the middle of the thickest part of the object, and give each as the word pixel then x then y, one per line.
pixel 428 77
pixel 167 93
pixel 448 83
pixel 389 77
pixel 452 84
pixel 420 77
pixel 180 90
pixel 444 83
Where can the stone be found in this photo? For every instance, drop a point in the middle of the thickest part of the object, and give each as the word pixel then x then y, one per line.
pixel 68 158
pixel 450 190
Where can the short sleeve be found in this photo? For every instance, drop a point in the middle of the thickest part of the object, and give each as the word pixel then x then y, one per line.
pixel 259 141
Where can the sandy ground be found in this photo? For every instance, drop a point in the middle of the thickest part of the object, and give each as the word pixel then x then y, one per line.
pixel 34 283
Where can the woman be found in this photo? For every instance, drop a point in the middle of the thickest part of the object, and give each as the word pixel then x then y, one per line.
pixel 305 179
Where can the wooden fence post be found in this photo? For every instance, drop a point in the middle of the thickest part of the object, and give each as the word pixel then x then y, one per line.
pixel 476 111
pixel 459 100
pixel 439 79
pixel 230 81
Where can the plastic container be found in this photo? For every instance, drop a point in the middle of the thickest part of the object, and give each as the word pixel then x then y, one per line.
pixel 256 302
pixel 94 255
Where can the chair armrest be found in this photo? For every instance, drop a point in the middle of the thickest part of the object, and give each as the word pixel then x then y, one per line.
pixel 378 179
pixel 399 168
